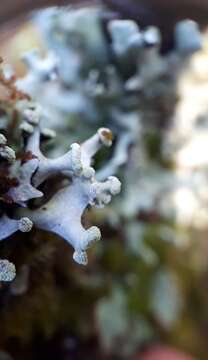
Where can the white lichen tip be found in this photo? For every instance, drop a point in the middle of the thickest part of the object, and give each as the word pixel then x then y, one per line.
pixel 25 224
pixel 7 153
pixel 93 235
pixel 122 29
pixel 106 136
pixel 88 172
pixel 187 35
pixel 48 133
pixel 7 271
pixel 32 115
pixel 3 140
pixel 115 185
pixel 105 190
pixel 125 35
pixel 80 257
pixel 152 36
pixel 26 127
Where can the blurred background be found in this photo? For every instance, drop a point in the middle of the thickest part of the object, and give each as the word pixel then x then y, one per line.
pixel 144 293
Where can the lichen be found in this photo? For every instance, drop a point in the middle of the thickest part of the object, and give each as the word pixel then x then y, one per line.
pixel 63 212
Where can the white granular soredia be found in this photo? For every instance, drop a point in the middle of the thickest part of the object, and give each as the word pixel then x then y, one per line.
pixel 25 224
pixel 7 271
